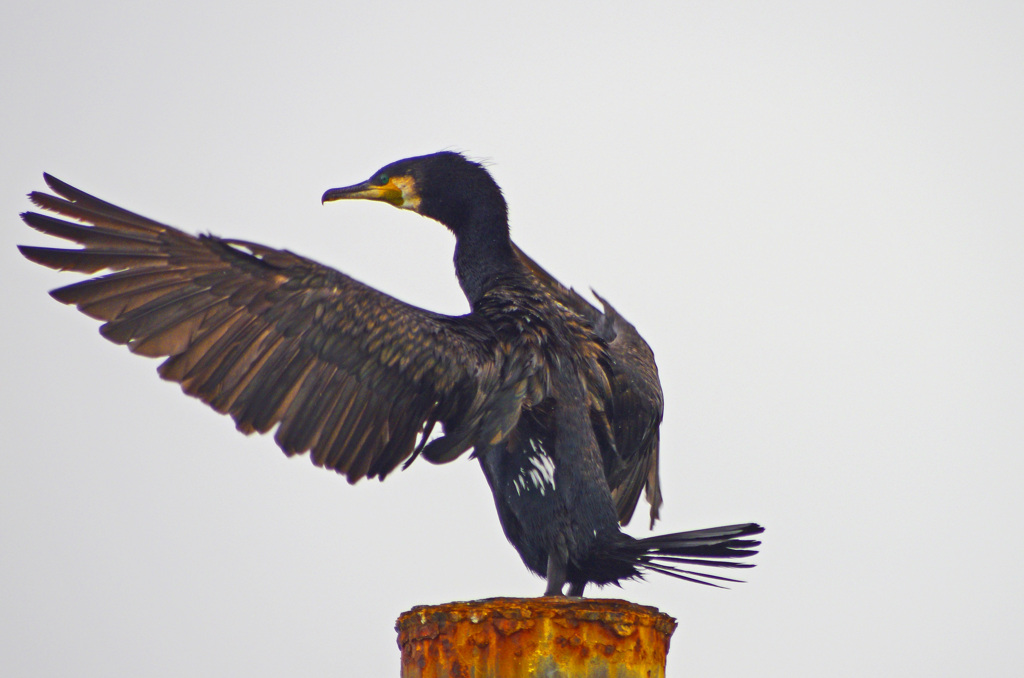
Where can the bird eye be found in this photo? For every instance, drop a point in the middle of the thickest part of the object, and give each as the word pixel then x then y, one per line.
pixel 382 178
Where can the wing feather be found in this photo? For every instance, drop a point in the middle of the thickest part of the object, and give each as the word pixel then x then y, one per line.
pixel 343 371
pixel 635 410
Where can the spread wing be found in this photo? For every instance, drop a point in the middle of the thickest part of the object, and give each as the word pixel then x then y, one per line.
pixel 637 402
pixel 348 373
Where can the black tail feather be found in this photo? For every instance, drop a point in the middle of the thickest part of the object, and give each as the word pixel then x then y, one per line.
pixel 711 547
pixel 701 561
pixel 695 577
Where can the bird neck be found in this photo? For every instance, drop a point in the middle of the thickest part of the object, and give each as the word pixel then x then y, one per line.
pixel 483 253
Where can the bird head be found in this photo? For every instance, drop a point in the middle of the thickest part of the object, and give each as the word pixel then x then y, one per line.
pixel 444 186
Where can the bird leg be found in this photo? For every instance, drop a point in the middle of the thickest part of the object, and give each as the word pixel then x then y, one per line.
pixel 556 575
pixel 576 589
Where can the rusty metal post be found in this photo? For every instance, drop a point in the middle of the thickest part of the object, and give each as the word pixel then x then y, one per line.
pixel 543 637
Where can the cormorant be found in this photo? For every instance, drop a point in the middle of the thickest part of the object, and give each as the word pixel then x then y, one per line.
pixel 559 401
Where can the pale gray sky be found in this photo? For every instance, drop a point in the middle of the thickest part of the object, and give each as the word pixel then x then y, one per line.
pixel 813 212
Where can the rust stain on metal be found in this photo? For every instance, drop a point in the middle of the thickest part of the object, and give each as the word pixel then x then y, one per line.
pixel 551 637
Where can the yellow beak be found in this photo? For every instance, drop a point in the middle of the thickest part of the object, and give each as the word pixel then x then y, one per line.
pixel 389 193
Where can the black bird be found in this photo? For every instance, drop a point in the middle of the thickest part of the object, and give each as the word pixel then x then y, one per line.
pixel 559 401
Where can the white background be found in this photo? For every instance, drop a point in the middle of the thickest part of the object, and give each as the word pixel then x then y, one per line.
pixel 813 212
